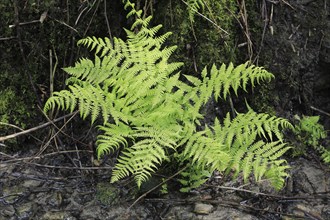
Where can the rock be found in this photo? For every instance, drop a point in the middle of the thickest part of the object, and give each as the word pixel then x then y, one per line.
pixel 180 212
pixel 310 179
pixel 7 211
pixel 204 209
pixel 12 193
pixel 305 211
pixel 223 213
pixel 326 212
pixel 73 205
pixel 107 194
pixel 55 200
pixel 31 183
pixel 90 212
pixel 25 210
pixel 6 169
pixel 57 216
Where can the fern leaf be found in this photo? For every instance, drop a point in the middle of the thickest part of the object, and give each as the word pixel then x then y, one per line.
pixel 247 165
pixel 140 160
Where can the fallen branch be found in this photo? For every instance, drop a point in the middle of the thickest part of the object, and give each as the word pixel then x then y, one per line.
pixel 319 110
pixel 35 128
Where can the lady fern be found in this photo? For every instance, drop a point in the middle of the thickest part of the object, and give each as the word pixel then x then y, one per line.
pixel 150 115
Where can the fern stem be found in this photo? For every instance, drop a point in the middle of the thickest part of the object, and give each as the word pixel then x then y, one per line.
pixel 157 186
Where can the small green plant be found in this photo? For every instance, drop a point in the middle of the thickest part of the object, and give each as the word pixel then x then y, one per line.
pixel 164 188
pixel 152 113
pixel 309 133
pixel 193 177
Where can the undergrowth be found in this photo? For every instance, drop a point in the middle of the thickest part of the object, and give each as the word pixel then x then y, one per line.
pixel 309 134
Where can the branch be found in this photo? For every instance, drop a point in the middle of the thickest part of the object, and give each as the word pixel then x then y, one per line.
pixel 35 128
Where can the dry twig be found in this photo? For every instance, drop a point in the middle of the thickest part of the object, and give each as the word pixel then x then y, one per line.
pixel 35 128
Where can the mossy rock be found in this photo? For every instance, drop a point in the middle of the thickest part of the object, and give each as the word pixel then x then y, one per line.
pixel 107 193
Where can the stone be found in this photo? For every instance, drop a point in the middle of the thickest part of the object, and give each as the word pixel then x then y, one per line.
pixel 107 194
pixel 224 213
pixel 8 211
pixel 31 183
pixel 55 200
pixel 310 179
pixel 202 208
pixel 57 216
pixel 305 211
pixel 90 212
pixel 24 210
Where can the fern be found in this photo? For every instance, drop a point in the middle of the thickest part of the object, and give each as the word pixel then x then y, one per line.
pixel 193 6
pixel 309 132
pixel 193 177
pixel 150 115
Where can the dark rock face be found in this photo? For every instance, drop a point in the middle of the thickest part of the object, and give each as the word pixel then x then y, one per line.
pixel 296 48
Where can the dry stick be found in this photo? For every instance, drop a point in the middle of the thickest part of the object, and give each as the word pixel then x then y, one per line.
pixel 24 23
pixel 90 22
pixel 7 38
pixel 245 27
pixel 69 168
pixel 18 128
pixel 266 21
pixel 43 148
pixel 107 21
pixel 206 18
pixel 62 132
pixel 65 24
pixel 35 128
pixel 13 159
pixel 319 110
pixel 160 184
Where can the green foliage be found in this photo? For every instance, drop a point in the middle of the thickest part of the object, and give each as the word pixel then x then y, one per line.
pixel 202 42
pixel 164 188
pixel 193 177
pixel 193 7
pixel 310 132
pixel 13 110
pixel 5 97
pixel 107 194
pixel 150 115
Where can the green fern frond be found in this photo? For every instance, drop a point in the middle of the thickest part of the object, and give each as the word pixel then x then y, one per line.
pixel 205 151
pixel 113 137
pixel 148 112
pixel 241 141
pixel 277 173
pixel 260 166
pixel 193 177
pixel 226 78
pixel 140 160
pixel 193 7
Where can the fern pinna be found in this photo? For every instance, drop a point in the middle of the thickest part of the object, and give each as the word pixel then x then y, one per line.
pixel 150 115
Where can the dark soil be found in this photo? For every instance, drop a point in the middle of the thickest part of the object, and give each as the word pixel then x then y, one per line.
pixel 36 188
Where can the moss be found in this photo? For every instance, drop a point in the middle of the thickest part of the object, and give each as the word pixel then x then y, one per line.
pixel 200 43
pixel 107 194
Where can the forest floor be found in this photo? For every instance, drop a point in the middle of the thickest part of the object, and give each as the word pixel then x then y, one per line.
pixel 48 187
